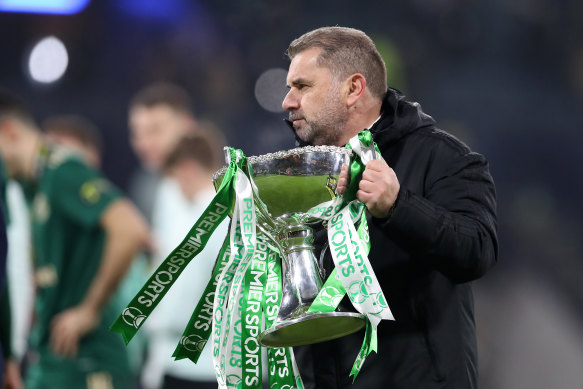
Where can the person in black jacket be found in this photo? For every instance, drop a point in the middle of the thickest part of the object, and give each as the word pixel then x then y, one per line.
pixel 431 211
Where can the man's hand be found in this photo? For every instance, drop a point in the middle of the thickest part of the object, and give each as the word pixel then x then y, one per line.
pixel 378 188
pixel 69 326
pixel 12 379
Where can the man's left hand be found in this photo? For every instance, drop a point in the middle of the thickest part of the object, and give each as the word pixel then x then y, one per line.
pixel 68 327
pixel 378 188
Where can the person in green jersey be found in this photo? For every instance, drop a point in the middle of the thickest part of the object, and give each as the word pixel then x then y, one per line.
pixel 80 134
pixel 85 235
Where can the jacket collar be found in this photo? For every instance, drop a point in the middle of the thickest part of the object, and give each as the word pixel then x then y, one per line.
pixel 399 117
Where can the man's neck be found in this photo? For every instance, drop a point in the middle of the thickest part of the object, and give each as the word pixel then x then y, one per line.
pixel 30 155
pixel 362 119
pixel 198 186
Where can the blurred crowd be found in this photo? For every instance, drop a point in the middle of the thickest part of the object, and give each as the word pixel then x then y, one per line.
pixel 505 77
pixel 172 187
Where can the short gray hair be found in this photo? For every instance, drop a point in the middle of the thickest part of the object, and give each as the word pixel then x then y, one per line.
pixel 345 51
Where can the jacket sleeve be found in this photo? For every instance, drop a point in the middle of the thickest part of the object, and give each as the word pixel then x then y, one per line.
pixel 452 225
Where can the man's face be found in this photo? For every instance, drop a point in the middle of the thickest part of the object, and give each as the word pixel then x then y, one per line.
pixel 89 154
pixel 9 150
pixel 314 101
pixel 184 173
pixel 155 131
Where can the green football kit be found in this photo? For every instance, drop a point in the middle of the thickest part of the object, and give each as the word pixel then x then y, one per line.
pixel 66 203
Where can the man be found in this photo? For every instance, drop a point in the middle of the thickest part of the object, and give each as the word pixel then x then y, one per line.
pixel 159 116
pixel 84 237
pixel 191 164
pixel 72 131
pixel 78 133
pixel 4 321
pixel 81 135
pixel 9 369
pixel 10 377
pixel 3 248
pixel 431 211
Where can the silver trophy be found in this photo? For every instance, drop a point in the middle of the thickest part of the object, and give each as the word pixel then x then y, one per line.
pixel 288 184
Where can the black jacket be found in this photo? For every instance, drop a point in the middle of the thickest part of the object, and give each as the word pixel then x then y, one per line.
pixel 440 236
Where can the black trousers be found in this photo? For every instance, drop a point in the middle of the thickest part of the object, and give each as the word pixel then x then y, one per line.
pixel 179 383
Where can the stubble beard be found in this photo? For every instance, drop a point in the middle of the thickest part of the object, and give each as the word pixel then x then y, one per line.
pixel 326 127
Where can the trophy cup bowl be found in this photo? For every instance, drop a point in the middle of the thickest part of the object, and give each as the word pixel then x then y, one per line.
pixel 289 183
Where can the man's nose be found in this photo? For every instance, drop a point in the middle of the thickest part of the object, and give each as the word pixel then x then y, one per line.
pixel 289 101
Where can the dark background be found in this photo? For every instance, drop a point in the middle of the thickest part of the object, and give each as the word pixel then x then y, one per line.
pixel 504 76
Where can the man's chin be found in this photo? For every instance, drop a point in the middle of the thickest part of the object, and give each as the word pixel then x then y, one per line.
pixel 302 134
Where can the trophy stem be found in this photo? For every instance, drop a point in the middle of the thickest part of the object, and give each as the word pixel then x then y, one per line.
pixel 301 283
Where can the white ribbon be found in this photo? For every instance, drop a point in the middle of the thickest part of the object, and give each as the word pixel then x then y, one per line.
pixel 350 257
pixel 243 225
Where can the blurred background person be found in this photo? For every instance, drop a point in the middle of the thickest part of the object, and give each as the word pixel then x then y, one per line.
pixel 159 115
pixel 9 368
pixel 191 165
pixel 83 136
pixel 85 236
pixel 5 309
pixel 78 133
pixel 16 304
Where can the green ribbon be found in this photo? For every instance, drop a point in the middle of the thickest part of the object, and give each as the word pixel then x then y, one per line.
pixel 280 362
pixel 198 329
pixel 369 345
pixel 223 291
pixel 333 290
pixel 253 278
pixel 356 166
pixel 227 338
pixel 252 313
pixel 142 305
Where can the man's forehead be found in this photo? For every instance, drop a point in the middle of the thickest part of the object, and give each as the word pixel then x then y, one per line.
pixel 304 65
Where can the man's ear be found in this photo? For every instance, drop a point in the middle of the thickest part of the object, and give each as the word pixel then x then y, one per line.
pixel 356 86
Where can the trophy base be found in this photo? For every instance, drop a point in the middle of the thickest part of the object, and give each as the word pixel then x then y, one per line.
pixel 311 328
